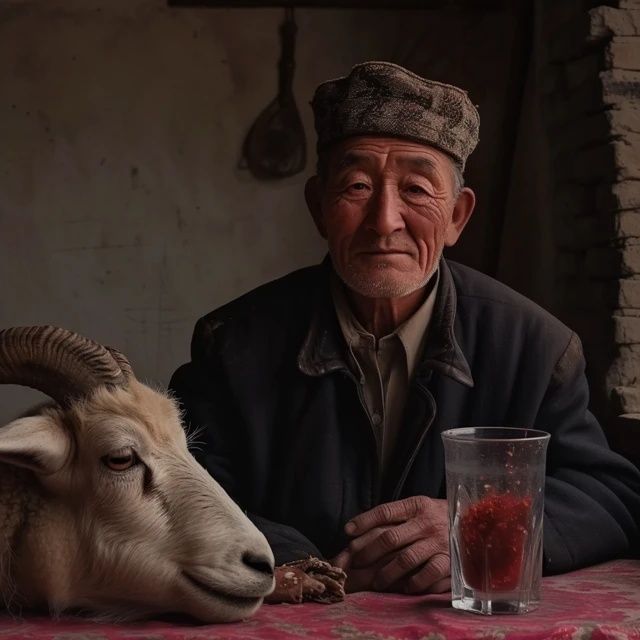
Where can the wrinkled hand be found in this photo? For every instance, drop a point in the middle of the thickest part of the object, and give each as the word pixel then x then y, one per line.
pixel 400 546
pixel 310 579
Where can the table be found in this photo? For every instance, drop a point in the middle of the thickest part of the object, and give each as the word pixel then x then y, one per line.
pixel 597 603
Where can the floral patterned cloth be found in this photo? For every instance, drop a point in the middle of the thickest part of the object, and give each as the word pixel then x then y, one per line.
pixel 597 603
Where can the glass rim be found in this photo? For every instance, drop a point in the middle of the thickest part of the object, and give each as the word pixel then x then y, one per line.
pixel 491 434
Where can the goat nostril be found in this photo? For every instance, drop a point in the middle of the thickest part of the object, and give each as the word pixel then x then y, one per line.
pixel 258 563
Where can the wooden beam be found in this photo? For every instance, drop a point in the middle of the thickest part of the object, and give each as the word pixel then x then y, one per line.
pixel 483 5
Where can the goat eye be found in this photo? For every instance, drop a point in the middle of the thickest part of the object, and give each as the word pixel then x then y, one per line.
pixel 120 460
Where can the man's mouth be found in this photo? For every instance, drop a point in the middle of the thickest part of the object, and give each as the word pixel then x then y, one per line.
pixel 384 252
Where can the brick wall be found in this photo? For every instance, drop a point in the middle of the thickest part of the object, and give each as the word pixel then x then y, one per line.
pixel 591 104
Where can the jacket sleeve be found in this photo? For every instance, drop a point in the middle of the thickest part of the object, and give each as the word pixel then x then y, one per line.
pixel 592 494
pixel 213 421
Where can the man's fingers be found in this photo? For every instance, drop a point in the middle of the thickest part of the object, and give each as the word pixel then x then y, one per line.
pixel 293 585
pixel 387 513
pixel 334 589
pixel 381 541
pixel 441 586
pixel 423 555
pixel 430 578
pixel 360 580
pixel 359 543
pixel 342 560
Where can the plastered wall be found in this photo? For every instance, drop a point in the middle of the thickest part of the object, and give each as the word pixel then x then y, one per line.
pixel 124 214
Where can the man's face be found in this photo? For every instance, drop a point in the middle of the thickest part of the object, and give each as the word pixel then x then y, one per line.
pixel 387 207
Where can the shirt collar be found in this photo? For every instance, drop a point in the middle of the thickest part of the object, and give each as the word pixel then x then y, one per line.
pixel 323 350
pixel 411 333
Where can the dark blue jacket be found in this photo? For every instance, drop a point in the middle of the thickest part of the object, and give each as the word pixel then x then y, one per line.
pixel 286 435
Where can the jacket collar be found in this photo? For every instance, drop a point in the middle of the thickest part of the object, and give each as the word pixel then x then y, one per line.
pixel 442 352
pixel 323 350
pixel 324 346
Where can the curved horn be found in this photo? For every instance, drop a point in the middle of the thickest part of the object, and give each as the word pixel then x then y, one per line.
pixel 60 363
pixel 122 362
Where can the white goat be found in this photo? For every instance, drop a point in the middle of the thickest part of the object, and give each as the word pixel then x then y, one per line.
pixel 102 507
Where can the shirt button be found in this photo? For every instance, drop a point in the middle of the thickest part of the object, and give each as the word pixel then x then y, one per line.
pixel 376 418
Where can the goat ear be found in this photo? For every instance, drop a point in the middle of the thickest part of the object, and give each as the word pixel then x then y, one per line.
pixel 37 443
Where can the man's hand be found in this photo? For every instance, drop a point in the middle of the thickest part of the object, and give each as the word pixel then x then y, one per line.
pixel 399 546
pixel 310 579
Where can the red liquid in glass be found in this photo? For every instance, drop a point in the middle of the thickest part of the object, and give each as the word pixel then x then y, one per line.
pixel 493 532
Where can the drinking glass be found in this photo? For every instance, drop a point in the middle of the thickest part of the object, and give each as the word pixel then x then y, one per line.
pixel 495 493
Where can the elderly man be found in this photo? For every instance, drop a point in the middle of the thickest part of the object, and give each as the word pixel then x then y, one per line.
pixel 323 394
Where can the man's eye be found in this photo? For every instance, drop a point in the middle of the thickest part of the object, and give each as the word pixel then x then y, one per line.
pixel 416 190
pixel 358 186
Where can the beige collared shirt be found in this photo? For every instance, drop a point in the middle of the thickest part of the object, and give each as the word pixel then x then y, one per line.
pixel 384 367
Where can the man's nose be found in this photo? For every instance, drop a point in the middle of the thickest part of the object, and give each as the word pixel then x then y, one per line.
pixel 384 215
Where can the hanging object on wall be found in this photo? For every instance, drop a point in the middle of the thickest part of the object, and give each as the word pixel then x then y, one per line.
pixel 275 146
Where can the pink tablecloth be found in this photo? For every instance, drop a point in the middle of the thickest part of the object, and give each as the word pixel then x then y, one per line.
pixel 591 604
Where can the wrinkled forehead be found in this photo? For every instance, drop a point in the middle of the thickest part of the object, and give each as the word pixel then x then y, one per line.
pixel 371 152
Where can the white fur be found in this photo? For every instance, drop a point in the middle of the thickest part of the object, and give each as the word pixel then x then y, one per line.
pixel 76 535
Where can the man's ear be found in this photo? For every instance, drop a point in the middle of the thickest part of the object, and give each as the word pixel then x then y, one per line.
pixel 462 210
pixel 37 443
pixel 313 196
